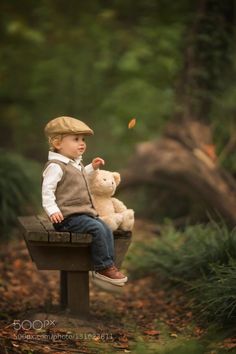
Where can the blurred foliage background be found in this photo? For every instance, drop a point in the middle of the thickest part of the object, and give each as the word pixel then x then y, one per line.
pixel 105 63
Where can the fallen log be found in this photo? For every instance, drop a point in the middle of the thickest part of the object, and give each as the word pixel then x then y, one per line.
pixel 184 158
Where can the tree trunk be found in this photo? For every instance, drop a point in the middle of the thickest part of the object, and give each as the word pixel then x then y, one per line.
pixel 185 157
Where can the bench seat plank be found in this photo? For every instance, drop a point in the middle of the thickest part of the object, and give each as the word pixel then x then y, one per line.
pixel 32 229
pixel 122 234
pixel 81 238
pixel 63 236
pixel 53 235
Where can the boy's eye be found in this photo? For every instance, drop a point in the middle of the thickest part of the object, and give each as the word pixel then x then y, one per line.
pixel 77 138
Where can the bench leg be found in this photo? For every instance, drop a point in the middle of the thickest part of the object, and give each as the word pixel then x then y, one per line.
pixel 78 293
pixel 63 289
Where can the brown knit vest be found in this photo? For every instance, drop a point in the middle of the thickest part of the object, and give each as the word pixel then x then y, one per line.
pixel 72 192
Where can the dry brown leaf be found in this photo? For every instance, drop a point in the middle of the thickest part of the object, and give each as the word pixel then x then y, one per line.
pixel 229 343
pixel 17 263
pixel 152 332
pixel 121 345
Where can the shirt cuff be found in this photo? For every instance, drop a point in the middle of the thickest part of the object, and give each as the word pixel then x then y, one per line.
pixel 89 168
pixel 52 210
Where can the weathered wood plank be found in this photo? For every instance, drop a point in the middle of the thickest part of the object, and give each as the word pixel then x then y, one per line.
pixel 44 221
pixel 122 244
pixel 63 289
pixel 30 223
pixel 35 236
pixel 122 234
pixel 53 235
pixel 61 244
pixel 78 293
pixel 60 256
pixel 32 229
pixel 81 238
pixel 60 237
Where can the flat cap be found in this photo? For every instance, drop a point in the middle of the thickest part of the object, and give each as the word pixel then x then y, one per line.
pixel 66 125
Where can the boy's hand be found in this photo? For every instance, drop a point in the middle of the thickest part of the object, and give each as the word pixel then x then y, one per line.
pixel 56 218
pixel 97 162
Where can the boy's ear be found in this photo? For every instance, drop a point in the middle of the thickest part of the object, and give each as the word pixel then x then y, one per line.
pixel 116 176
pixel 56 143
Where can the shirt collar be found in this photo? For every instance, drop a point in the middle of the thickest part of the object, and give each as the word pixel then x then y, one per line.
pixel 55 156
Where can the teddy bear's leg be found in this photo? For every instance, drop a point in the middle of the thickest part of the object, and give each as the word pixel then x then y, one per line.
pixel 113 221
pixel 128 220
pixel 119 218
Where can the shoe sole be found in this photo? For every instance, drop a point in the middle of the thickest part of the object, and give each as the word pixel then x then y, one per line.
pixel 98 281
pixel 119 282
pixel 105 286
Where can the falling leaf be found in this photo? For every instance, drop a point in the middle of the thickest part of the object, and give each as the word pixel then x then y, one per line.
pixel 132 123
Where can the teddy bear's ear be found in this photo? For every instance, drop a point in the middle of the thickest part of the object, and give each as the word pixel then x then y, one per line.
pixel 116 176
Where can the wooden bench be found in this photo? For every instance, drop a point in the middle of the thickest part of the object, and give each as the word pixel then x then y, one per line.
pixel 70 254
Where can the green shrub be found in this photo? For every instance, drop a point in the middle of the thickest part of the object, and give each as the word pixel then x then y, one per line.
pixel 203 260
pixel 216 293
pixel 19 188
pixel 190 253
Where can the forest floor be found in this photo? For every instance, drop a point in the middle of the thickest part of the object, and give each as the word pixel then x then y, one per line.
pixel 146 316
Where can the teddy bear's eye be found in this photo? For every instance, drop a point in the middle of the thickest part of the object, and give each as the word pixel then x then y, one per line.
pixel 104 179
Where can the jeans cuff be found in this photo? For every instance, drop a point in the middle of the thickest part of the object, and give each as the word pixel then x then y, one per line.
pixel 103 266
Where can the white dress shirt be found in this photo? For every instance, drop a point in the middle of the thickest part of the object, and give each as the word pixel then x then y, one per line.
pixel 52 175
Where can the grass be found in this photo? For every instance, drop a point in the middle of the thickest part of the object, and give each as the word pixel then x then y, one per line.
pixel 202 258
pixel 218 293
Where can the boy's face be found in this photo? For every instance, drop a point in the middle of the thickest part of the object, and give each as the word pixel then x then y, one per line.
pixel 71 146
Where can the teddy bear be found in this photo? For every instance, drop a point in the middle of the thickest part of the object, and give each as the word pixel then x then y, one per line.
pixel 111 210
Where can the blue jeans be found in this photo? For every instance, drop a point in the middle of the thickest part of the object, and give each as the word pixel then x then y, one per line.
pixel 102 246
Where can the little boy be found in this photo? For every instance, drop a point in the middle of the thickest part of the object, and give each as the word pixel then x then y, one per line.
pixel 66 197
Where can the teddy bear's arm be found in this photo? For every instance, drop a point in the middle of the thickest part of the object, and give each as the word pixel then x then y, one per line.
pixel 118 205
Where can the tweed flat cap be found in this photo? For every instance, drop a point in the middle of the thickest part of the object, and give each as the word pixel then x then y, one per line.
pixel 66 125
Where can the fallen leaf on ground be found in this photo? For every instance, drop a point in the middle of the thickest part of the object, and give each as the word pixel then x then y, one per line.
pixel 152 332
